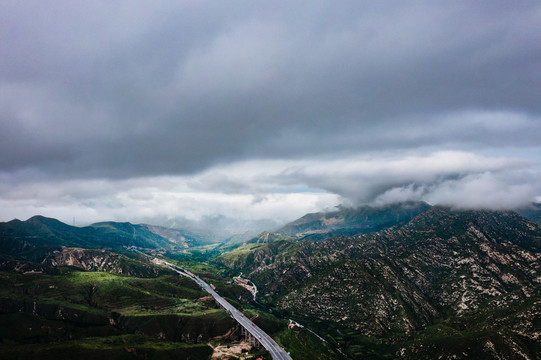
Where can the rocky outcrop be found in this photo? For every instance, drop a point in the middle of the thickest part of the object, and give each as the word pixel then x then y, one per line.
pixel 101 260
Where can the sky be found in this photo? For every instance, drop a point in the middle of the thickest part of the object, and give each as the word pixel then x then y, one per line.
pixel 253 113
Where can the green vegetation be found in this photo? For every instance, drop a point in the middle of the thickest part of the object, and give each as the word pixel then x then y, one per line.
pixel 38 236
pixel 105 292
pixel 240 253
pixel 196 253
pixel 304 345
pixel 298 341
pixel 77 314
pixel 452 335
pixel 266 321
pixel 268 237
pixel 384 295
pixel 47 316
pixel 349 221
pixel 113 347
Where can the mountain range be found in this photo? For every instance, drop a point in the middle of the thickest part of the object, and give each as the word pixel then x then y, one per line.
pixel 39 235
pixel 408 280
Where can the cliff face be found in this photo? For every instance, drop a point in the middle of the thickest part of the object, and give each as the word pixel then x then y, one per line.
pixel 441 265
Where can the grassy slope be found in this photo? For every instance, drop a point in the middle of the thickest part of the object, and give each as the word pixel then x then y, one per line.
pixel 114 347
pixel 69 313
pixel 104 292
pixel 45 316
pixel 299 342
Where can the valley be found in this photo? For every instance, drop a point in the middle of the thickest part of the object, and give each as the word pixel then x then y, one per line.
pixel 407 281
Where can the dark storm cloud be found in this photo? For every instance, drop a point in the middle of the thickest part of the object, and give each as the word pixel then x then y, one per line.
pixel 114 89
pixel 265 110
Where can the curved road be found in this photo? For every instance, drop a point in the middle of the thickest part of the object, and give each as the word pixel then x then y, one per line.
pixel 268 343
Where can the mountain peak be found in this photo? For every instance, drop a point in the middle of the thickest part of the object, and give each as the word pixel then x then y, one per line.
pixel 47 225
pixel 42 220
pixel 39 218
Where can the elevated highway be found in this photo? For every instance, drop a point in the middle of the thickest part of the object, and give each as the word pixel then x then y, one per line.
pixel 249 328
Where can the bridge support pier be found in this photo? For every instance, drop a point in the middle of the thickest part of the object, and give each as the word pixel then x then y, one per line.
pixel 249 337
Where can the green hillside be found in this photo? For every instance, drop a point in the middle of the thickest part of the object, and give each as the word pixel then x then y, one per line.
pixel 34 238
pixel 51 316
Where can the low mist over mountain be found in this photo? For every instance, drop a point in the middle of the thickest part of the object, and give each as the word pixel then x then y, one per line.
pixel 346 221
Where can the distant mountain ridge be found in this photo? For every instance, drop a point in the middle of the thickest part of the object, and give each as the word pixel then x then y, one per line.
pixel 351 221
pixel 39 235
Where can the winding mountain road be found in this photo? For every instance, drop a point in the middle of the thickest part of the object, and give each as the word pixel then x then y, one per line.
pixel 268 343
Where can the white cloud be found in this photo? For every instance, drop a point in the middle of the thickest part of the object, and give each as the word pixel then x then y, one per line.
pixel 153 199
pixel 485 190
pixel 281 191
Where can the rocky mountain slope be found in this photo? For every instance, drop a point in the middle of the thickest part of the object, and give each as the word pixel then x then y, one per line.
pixel 442 267
pixel 432 282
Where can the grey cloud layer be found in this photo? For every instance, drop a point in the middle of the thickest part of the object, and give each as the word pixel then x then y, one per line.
pixel 131 110
pixel 112 90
